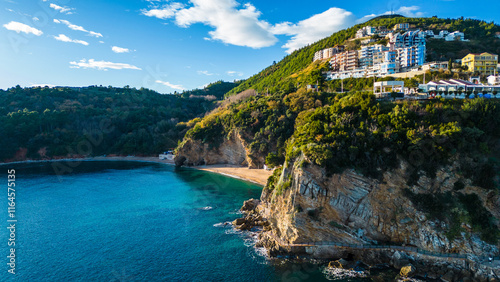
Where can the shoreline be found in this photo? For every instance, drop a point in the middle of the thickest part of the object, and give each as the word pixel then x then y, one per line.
pixel 256 176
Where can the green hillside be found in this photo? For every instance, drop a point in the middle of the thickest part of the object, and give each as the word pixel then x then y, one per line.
pixel 353 130
pixel 280 77
pixel 54 122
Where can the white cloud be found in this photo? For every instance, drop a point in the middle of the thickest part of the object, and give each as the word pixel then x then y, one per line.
pixel 314 28
pixel 95 34
pixel 232 23
pixel 173 86
pixel 164 12
pixel 241 25
pixel 409 11
pixel 64 10
pixel 78 28
pixel 205 72
pixel 20 27
pixel 36 19
pixel 64 38
pixel 233 73
pixel 117 49
pixel 366 18
pixel 101 65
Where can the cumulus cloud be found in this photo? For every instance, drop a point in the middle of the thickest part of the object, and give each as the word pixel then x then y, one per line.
pixel 407 11
pixel 241 25
pixel 78 28
pixel 117 49
pixel 164 12
pixel 64 10
pixel 232 23
pixel 410 11
pixel 314 28
pixel 101 65
pixel 233 73
pixel 64 38
pixel 173 86
pixel 20 27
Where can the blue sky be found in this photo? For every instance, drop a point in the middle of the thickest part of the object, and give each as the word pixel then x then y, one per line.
pixel 175 45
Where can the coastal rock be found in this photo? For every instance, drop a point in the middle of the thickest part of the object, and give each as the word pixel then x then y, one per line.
pixel 350 208
pixel 252 217
pixel 233 150
pixel 407 271
pixel 249 205
pixel 239 221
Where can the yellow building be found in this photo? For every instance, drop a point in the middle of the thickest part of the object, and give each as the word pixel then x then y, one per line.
pixel 484 63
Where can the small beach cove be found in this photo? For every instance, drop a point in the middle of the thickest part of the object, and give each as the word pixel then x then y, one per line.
pixel 257 176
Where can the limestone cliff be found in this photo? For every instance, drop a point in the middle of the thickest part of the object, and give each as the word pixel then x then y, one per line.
pixel 305 205
pixel 233 150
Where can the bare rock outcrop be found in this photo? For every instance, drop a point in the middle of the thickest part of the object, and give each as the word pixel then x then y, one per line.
pixel 307 205
pixel 233 150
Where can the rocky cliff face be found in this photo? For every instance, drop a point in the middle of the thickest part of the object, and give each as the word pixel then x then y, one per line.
pixel 351 208
pixel 233 150
pixel 306 205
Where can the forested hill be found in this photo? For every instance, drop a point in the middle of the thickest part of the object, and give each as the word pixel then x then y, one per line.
pixel 284 75
pixel 41 123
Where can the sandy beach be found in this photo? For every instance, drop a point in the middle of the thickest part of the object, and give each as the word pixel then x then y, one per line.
pixel 257 176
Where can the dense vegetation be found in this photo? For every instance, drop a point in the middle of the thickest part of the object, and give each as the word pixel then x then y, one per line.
pixel 356 131
pixel 51 122
pixel 265 122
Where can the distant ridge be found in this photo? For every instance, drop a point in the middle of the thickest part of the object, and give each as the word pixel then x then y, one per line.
pixel 387 17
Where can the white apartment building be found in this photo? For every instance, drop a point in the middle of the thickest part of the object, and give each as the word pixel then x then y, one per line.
pixel 411 56
pixel 366 31
pixel 407 39
pixel 404 51
pixel 456 35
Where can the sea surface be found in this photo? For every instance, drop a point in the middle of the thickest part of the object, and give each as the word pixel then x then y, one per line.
pixel 132 221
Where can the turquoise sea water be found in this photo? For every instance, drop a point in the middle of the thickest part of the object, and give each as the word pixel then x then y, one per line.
pixel 130 221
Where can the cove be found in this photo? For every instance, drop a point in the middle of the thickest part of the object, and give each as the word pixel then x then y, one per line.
pixel 132 221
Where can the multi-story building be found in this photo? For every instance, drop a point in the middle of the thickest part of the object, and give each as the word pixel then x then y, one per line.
pixel 365 55
pixel 442 34
pixel 411 56
pixel 402 26
pixel 456 35
pixel 484 63
pixel 385 62
pixel 337 60
pixel 407 39
pixel 351 60
pixel 327 53
pixel 429 33
pixel 404 51
pixel 366 31
pixel 345 61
